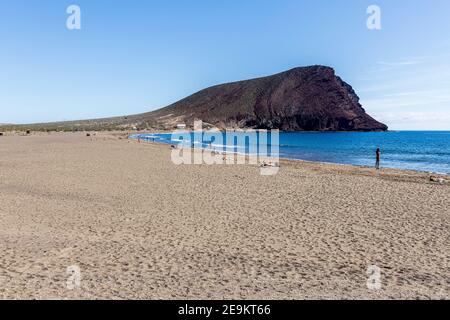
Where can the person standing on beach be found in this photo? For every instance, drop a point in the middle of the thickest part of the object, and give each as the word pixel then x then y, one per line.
pixel 377 163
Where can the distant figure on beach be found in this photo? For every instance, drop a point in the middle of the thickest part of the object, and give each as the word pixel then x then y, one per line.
pixel 377 163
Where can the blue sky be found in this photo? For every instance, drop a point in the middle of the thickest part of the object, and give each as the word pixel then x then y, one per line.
pixel 135 56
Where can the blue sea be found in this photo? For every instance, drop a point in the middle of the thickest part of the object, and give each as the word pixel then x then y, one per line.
pixel 427 151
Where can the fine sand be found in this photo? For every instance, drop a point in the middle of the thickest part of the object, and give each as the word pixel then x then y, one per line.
pixel 138 226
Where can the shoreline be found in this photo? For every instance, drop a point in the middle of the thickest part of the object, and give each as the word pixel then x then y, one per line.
pixel 293 160
pixel 368 170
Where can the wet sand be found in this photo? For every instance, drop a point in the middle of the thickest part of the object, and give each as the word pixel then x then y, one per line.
pixel 138 226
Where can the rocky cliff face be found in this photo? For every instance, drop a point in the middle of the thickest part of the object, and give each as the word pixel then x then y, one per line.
pixel 309 98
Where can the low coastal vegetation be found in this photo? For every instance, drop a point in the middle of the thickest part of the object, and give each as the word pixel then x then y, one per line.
pixel 75 127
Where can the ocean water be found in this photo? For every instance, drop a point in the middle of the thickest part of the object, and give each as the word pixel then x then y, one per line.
pixel 427 151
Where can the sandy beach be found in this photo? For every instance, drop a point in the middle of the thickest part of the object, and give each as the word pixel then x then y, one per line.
pixel 140 227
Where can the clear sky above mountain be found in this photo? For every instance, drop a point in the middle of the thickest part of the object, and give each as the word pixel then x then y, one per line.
pixel 135 56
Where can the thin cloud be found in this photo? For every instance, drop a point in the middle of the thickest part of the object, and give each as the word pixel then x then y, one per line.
pixel 415 117
pixel 400 63
pixel 423 93
pixel 406 101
